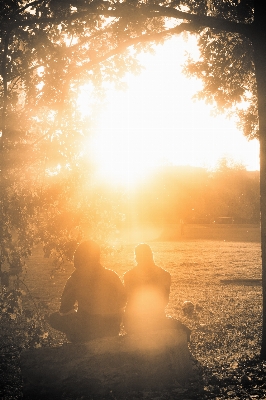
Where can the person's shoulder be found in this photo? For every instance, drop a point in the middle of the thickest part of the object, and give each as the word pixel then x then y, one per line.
pixel 111 277
pixel 73 276
pixel 163 272
pixel 109 273
pixel 131 272
pixel 73 279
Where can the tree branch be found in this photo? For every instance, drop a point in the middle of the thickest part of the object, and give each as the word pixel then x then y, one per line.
pixel 121 10
pixel 133 41
pixel 33 3
pixel 202 20
pixel 119 49
pixel 5 88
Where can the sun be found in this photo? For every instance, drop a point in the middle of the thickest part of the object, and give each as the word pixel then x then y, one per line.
pixel 122 156
pixel 155 122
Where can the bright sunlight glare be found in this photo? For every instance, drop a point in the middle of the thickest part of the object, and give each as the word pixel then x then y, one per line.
pixel 155 122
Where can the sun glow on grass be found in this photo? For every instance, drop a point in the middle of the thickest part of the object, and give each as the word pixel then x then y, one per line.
pixel 156 122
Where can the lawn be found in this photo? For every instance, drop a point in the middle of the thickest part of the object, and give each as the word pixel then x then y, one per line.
pixel 223 280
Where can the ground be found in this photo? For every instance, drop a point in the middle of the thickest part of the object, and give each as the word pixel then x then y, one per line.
pixel 221 277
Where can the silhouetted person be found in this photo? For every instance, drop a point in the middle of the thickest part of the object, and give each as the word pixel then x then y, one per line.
pixel 93 298
pixel 148 288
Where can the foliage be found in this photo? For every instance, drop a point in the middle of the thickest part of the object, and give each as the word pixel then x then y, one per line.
pixel 77 209
pixel 197 195
pixel 226 68
pixel 43 133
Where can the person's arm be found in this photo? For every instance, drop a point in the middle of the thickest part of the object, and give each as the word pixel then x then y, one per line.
pixel 68 298
pixel 121 294
pixel 127 283
pixel 167 285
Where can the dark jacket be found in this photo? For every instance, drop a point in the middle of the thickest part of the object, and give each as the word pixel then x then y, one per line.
pixel 97 292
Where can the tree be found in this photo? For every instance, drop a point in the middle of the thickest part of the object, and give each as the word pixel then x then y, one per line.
pixel 49 48
pixel 236 192
pixel 41 131
pixel 196 195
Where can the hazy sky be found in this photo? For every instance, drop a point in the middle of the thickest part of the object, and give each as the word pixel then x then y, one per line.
pixel 156 121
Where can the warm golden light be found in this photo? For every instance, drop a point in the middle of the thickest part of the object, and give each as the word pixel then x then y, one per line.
pixel 156 122
pixel 146 302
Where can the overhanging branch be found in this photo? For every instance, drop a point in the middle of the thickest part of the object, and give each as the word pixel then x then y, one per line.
pixel 119 49
pixel 134 41
pixel 122 10
pixel 202 20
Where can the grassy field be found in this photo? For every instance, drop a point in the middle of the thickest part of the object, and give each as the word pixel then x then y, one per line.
pixel 223 280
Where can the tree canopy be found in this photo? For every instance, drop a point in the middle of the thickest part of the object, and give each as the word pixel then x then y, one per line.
pixel 50 48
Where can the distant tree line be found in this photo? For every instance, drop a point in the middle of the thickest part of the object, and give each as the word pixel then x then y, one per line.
pixel 197 195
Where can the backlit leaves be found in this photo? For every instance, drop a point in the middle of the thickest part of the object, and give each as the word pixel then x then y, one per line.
pixel 226 68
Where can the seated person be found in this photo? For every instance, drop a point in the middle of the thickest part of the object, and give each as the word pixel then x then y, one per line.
pixel 96 292
pixel 148 288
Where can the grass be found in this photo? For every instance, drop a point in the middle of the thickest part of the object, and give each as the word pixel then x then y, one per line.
pixel 223 281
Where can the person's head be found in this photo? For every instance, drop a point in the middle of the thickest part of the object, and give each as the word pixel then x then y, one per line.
pixel 143 254
pixel 87 254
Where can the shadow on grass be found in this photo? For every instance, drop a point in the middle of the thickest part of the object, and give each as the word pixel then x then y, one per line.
pixel 88 371
pixel 241 281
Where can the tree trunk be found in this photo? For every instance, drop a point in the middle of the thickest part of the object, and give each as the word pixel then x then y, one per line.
pixel 259 43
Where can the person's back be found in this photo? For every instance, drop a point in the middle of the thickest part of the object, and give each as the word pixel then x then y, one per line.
pixel 98 294
pixel 147 287
pixel 101 293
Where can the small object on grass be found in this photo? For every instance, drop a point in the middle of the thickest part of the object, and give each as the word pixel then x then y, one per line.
pixel 198 307
pixel 245 380
pixel 229 326
pixel 188 308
